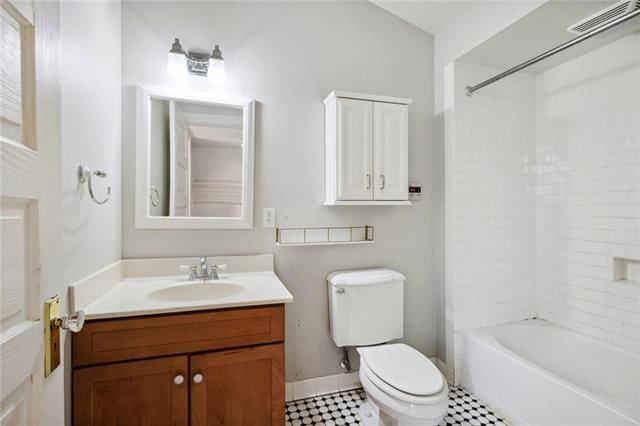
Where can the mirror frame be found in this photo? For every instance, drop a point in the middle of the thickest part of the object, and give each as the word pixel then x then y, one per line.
pixel 143 218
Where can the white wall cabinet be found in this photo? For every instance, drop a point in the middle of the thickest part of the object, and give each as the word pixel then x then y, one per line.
pixel 367 140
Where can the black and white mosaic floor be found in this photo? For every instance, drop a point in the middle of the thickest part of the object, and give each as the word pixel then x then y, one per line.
pixel 467 410
pixel 341 408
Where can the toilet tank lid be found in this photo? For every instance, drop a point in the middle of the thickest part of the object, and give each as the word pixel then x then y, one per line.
pixel 365 277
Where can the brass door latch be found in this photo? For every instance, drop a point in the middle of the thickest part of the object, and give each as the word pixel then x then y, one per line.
pixel 52 324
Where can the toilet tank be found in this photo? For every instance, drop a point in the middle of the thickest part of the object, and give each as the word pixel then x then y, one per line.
pixel 365 306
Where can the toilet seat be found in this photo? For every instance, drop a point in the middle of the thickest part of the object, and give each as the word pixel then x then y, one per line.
pixel 404 369
pixel 416 381
pixel 396 406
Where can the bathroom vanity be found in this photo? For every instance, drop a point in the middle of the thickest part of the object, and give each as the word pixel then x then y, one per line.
pixel 154 351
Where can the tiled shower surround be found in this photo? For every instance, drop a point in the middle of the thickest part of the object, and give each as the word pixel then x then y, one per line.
pixel 588 172
pixel 542 192
pixel 490 192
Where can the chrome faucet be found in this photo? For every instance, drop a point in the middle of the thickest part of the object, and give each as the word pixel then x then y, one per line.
pixel 206 273
pixel 204 268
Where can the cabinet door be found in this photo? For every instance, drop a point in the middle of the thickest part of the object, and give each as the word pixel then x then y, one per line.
pixel 238 387
pixel 140 393
pixel 390 151
pixel 354 151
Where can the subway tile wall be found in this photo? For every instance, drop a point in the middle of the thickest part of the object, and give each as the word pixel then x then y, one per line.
pixel 542 194
pixel 491 195
pixel 588 203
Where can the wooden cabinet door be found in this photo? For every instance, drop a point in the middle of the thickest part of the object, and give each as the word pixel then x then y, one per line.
pixel 354 162
pixel 238 387
pixel 390 151
pixel 140 393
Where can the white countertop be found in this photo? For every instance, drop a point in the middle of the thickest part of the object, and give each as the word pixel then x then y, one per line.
pixel 136 297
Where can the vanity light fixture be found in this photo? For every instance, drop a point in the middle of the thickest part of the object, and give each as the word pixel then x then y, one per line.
pixel 180 63
pixel 177 61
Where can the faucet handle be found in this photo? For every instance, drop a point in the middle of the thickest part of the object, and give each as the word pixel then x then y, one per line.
pixel 221 267
pixel 193 271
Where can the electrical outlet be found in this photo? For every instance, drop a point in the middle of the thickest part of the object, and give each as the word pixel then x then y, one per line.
pixel 268 217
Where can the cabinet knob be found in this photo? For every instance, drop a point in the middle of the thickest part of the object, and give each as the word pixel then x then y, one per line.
pixel 382 182
pixel 198 378
pixel 179 379
pixel 368 179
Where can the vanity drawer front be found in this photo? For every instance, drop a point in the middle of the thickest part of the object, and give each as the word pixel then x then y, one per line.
pixel 103 341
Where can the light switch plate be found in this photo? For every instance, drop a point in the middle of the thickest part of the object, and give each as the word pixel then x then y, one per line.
pixel 268 217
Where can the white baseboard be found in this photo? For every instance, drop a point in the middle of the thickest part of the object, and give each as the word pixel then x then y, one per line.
pixel 340 382
pixel 321 385
pixel 446 371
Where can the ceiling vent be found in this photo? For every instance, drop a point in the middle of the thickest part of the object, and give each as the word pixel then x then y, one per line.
pixel 604 16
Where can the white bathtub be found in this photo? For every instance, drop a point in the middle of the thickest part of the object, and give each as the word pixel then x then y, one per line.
pixel 536 373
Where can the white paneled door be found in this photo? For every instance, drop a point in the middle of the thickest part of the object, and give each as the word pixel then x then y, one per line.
pixel 390 151
pixel 354 168
pixel 21 329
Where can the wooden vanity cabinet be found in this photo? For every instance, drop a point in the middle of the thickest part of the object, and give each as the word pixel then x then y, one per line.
pixel 222 367
pixel 239 387
pixel 132 393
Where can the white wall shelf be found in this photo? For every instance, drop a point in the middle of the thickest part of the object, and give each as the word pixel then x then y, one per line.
pixel 324 236
pixel 367 203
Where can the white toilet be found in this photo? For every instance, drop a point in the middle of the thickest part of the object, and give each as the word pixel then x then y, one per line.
pixel 403 386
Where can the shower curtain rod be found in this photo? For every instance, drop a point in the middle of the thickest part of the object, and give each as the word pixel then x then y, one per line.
pixel 470 89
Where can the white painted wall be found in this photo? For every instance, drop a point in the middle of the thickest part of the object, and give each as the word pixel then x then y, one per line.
pixel 477 24
pixel 289 56
pixel 90 129
pixel 91 133
pixel 588 161
pixel 490 190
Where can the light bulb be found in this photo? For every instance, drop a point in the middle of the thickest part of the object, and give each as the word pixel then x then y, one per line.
pixel 216 72
pixel 177 65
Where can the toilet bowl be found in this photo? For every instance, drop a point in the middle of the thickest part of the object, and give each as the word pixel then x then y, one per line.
pixel 403 387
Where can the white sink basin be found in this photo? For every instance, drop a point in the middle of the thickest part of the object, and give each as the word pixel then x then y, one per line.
pixel 195 292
